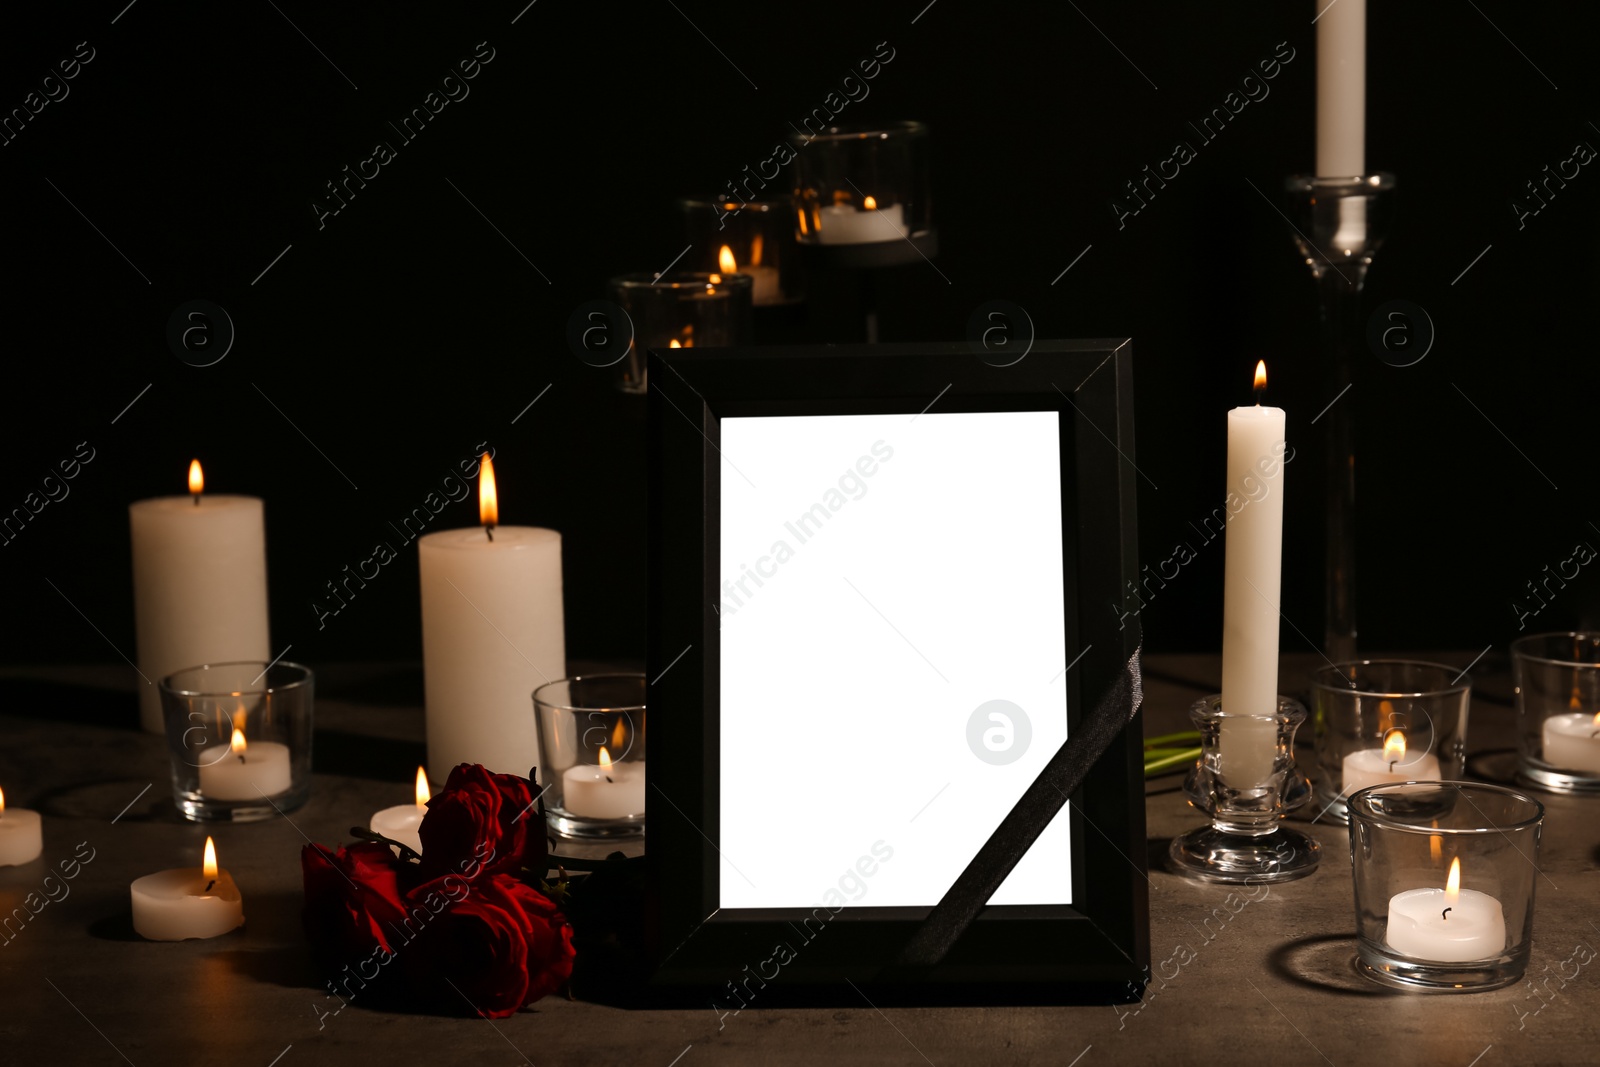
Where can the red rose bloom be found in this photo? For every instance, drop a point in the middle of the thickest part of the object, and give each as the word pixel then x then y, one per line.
pixel 482 823
pixel 500 942
pixel 353 901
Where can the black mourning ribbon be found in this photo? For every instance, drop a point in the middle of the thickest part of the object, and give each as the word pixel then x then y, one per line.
pixel 1016 833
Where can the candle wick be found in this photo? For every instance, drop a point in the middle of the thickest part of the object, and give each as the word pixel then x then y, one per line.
pixel 489 529
pixel 1391 765
pixel 197 500
pixel 241 757
pixel 210 884
pixel 1445 914
pixel 608 778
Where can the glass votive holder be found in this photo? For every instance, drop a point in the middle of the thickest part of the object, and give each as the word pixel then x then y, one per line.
pixel 591 754
pixel 239 735
pixel 1557 680
pixel 865 190
pixel 754 237
pixel 1393 720
pixel 1444 877
pixel 683 309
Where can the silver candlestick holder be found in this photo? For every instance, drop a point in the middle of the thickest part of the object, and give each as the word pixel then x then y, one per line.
pixel 1339 225
pixel 1246 780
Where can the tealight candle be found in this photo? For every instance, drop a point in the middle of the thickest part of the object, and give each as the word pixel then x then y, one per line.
pixel 843 224
pixel 1378 766
pixel 401 822
pixel 243 770
pixel 21 838
pixel 608 791
pixel 1449 925
pixel 764 288
pixel 1572 741
pixel 187 902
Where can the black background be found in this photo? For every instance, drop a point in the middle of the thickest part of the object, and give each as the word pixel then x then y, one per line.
pixel 407 330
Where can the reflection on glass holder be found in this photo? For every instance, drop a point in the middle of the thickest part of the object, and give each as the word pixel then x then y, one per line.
pixel 1444 878
pixel 1379 721
pixel 754 237
pixel 1245 843
pixel 591 754
pixel 864 194
pixel 684 309
pixel 1557 680
pixel 239 737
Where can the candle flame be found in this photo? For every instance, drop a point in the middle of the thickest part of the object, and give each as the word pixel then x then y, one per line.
pixel 210 866
pixel 803 228
pixel 237 744
pixel 618 735
pixel 1261 374
pixel 423 795
pixel 2 801
pixel 197 478
pixel 725 261
pixel 1394 745
pixel 674 343
pixel 605 760
pixel 869 204
pixel 756 245
pixel 488 499
pixel 1452 885
pixel 713 280
pixel 1597 720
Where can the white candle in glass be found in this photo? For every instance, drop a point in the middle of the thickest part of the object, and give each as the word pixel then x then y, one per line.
pixel 1572 741
pixel 843 224
pixel 21 835
pixel 492 633
pixel 607 791
pixel 1449 925
pixel 244 770
pixel 199 585
pixel 403 821
pixel 1252 558
pixel 764 289
pixel 1378 766
pixel 187 902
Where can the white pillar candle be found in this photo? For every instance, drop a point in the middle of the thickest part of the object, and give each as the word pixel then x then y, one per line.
pixel 402 822
pixel 187 902
pixel 1572 742
pixel 1252 556
pixel 21 835
pixel 199 585
pixel 608 791
pixel 844 224
pixel 1341 88
pixel 244 770
pixel 1474 927
pixel 491 634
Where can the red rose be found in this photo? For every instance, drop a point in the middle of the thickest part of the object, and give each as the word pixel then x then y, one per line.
pixel 498 941
pixel 482 823
pixel 354 902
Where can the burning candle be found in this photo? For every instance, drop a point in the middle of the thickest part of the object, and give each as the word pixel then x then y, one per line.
pixel 491 634
pixel 1375 766
pixel 607 791
pixel 763 279
pixel 1449 925
pixel 187 902
pixel 199 584
pixel 401 822
pixel 843 224
pixel 21 835
pixel 242 770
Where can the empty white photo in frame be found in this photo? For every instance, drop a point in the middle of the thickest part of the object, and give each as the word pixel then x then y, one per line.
pixel 884 581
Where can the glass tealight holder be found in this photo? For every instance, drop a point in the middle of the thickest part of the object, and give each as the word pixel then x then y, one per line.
pixel 1379 721
pixel 864 192
pixel 591 754
pixel 1557 680
pixel 682 309
pixel 1246 780
pixel 754 237
pixel 1444 878
pixel 239 737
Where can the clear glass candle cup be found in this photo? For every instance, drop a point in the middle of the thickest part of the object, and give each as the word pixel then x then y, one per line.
pixel 1557 679
pixel 1387 721
pixel 683 309
pixel 865 186
pixel 239 737
pixel 591 754
pixel 1444 879
pixel 754 237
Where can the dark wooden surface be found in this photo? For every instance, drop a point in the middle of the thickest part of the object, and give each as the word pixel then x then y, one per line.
pixel 1271 984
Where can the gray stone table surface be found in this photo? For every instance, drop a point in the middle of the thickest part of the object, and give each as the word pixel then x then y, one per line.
pixel 1272 984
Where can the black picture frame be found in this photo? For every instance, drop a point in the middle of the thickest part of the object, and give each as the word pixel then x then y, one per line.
pixel 1094 949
